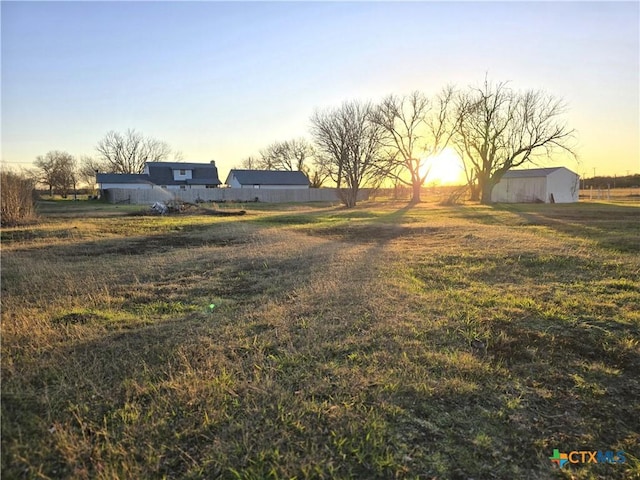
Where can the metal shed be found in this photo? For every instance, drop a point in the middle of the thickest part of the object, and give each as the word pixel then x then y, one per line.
pixel 544 185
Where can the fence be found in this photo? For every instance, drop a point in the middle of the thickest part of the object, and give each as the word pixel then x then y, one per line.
pixel 148 196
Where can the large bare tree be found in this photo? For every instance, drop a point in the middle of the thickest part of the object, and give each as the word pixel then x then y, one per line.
pixel 418 128
pixel 128 152
pixel 499 128
pixel 353 145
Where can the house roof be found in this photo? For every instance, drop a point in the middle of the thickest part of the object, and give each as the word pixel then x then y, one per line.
pixel 268 177
pixel 122 178
pixel 161 173
pixel 533 172
pixel 180 165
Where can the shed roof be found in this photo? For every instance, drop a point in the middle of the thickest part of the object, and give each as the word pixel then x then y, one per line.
pixel 268 177
pixel 530 173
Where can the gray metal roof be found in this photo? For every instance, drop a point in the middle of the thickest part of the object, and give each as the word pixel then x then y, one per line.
pixel 530 173
pixel 122 178
pixel 161 173
pixel 268 177
pixel 180 165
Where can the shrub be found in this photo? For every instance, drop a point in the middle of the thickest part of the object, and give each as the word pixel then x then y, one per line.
pixel 17 201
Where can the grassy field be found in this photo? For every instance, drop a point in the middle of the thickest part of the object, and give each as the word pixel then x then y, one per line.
pixel 386 341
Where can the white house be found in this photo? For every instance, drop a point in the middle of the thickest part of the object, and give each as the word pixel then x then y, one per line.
pixel 547 185
pixel 169 175
pixel 273 179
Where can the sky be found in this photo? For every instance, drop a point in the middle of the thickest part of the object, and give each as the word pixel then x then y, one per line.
pixel 222 80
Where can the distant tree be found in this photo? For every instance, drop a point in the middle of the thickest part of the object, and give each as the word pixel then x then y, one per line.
pixel 68 180
pixel 353 145
pixel 499 128
pixel 418 129
pixel 46 166
pixel 250 163
pixel 292 155
pixel 627 181
pixel 87 169
pixel 128 152
pixel 57 170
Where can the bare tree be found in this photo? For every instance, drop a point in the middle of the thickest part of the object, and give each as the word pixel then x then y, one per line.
pixel 353 144
pixel 46 167
pixel 418 129
pixel 499 128
pixel 470 175
pixel 88 168
pixel 271 156
pixel 292 155
pixel 250 163
pixel 320 170
pixel 128 152
pixel 57 170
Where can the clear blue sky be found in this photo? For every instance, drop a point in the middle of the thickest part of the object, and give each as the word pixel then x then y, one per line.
pixel 223 80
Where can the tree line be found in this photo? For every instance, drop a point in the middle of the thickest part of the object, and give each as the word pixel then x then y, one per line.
pixel 116 152
pixel 493 128
pixel 358 144
pixel 625 181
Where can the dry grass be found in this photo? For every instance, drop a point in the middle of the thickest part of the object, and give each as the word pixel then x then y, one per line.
pixel 380 342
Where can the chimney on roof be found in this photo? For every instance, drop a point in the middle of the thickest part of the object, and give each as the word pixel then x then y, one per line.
pixel 213 162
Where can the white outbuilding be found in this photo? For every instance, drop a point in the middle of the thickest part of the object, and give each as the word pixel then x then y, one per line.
pixel 544 185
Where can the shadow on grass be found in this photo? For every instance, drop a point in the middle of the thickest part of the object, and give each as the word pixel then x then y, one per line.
pixel 199 396
pixel 330 385
pixel 613 227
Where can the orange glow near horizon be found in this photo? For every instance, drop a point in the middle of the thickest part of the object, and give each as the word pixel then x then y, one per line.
pixel 444 169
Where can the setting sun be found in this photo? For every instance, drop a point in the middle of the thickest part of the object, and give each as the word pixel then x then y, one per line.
pixel 444 169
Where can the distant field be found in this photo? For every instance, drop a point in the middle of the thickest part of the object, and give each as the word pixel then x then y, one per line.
pixel 301 341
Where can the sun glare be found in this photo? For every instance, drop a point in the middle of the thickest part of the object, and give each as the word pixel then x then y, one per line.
pixel 444 169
